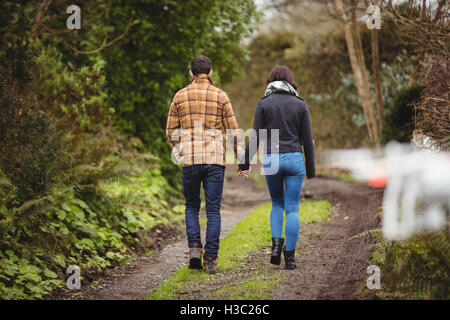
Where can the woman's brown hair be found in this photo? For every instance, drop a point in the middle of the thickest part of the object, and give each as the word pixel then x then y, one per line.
pixel 281 73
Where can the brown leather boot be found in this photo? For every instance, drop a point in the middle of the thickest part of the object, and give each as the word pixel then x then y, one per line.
pixel 210 264
pixel 195 257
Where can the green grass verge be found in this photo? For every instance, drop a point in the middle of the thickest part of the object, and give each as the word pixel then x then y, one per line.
pixel 249 235
pixel 337 173
pixel 257 287
pixel 314 211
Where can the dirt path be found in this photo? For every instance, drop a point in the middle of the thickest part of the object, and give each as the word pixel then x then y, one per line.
pixel 335 266
pixel 330 264
pixel 136 282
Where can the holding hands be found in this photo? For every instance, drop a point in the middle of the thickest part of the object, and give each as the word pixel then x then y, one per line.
pixel 244 173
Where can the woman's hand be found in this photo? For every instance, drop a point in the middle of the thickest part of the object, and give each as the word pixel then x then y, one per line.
pixel 244 173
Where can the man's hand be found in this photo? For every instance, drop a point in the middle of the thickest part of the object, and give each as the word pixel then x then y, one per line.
pixel 244 173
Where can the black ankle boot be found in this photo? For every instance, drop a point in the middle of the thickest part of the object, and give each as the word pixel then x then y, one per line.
pixel 289 259
pixel 277 247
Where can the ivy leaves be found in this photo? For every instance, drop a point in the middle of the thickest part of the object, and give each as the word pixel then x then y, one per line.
pixel 86 232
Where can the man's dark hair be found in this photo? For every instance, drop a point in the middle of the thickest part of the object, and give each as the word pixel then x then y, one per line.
pixel 201 64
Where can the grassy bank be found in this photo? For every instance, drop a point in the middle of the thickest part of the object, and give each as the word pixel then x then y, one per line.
pixel 244 272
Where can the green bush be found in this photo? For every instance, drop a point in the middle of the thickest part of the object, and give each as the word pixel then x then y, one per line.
pixel 399 117
pixel 93 228
pixel 27 146
pixel 79 197
pixel 73 190
pixel 75 96
pixel 418 268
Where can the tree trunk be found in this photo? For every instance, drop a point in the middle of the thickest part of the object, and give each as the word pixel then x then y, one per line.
pixel 357 61
pixel 377 77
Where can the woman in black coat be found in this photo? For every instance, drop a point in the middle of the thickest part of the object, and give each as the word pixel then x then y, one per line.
pixel 285 116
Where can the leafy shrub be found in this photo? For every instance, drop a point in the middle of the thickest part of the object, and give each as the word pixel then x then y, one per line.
pixel 83 198
pixel 28 148
pixel 94 229
pixel 30 280
pixel 73 190
pixel 75 96
pixel 418 268
pixel 92 203
pixel 399 117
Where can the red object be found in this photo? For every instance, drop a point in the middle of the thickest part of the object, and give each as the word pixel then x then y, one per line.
pixel 378 179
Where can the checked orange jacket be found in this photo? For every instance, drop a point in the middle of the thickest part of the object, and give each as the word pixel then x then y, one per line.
pixel 200 118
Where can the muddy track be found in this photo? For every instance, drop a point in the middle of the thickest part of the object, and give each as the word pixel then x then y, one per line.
pixel 336 264
pixel 137 281
pixel 333 268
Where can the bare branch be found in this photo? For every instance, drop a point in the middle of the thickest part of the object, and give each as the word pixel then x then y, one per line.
pixel 42 8
pixel 103 46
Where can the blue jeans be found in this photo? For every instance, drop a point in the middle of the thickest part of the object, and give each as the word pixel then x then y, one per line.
pixel 284 176
pixel 212 177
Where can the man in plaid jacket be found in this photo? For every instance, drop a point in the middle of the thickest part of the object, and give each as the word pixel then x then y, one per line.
pixel 198 116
